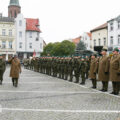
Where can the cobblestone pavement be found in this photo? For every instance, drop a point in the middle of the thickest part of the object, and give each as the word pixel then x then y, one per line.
pixel 41 97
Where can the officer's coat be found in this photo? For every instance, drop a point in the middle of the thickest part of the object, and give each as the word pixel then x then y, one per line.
pixel 115 68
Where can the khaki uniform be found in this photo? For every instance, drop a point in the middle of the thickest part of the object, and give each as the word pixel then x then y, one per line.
pixel 93 72
pixel 115 73
pixel 15 70
pixel 103 71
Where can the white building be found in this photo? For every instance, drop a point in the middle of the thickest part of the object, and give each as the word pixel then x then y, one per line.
pixel 114 33
pixel 28 37
pixel 86 38
pixel 7 37
pixel 100 37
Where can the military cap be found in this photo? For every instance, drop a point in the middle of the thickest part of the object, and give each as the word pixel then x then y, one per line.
pixel 116 49
pixel 104 49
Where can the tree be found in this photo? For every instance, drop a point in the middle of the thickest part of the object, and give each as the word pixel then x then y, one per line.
pixel 81 46
pixel 64 48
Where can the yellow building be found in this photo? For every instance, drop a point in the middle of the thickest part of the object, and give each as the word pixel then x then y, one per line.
pixel 7 36
pixel 99 37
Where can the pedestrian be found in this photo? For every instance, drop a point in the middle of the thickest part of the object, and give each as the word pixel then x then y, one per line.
pixel 2 68
pixel 115 71
pixel 103 70
pixel 15 70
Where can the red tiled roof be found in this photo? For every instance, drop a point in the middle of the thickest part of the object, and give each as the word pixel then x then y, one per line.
pixel 32 24
pixel 90 35
pixel 100 27
pixel 76 40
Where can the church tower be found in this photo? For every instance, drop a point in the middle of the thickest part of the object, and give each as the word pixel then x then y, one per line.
pixel 14 8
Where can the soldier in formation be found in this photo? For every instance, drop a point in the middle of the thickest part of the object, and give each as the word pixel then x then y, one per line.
pixel 104 69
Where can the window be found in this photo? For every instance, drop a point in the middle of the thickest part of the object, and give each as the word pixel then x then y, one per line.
pixel 118 24
pixel 119 39
pixel 3 44
pixel 99 42
pixel 37 38
pixel 111 40
pixel 30 45
pixel 40 45
pixel 10 44
pixel 104 41
pixel 111 26
pixel 20 34
pixel 20 22
pixel 30 34
pixel 20 45
pixel 3 32
pixel 10 33
pixel 94 42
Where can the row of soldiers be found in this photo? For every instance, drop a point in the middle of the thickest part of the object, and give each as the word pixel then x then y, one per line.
pixel 62 67
pixel 105 68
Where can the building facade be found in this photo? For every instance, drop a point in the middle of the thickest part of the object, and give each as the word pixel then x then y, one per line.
pixel 100 37
pixel 28 37
pixel 7 37
pixel 86 38
pixel 114 33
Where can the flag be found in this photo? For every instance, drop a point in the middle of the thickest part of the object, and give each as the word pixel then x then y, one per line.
pixel 34 53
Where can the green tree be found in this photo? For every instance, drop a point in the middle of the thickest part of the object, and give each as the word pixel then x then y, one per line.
pixel 64 48
pixel 81 46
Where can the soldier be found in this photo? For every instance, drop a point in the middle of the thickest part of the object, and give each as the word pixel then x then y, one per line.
pixel 115 71
pixel 70 69
pixel 2 68
pixel 103 70
pixel 77 69
pixel 83 70
pixel 15 69
pixel 87 67
pixel 93 70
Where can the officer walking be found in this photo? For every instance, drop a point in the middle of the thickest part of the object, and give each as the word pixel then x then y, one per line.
pixel 15 70
pixel 2 68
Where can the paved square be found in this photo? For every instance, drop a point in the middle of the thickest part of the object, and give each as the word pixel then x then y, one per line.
pixel 41 97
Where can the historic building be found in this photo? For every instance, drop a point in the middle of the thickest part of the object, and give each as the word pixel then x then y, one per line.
pixel 100 37
pixel 87 38
pixel 7 36
pixel 14 8
pixel 114 33
pixel 28 38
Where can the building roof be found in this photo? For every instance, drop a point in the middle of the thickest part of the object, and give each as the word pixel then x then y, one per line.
pixel 76 40
pixel 100 27
pixel 32 24
pixel 14 2
pixel 6 19
pixel 90 35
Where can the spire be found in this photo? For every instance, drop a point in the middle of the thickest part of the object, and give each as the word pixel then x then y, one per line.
pixel 14 2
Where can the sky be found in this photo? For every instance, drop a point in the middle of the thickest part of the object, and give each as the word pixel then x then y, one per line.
pixel 66 19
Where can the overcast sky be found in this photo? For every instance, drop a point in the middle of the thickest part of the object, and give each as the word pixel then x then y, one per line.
pixel 66 19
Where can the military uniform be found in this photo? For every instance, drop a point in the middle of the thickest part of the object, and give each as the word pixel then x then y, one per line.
pixel 2 69
pixel 115 73
pixel 93 72
pixel 103 71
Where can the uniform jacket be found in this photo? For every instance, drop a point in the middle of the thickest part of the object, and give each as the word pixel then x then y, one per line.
pixel 115 68
pixel 15 68
pixel 2 65
pixel 93 69
pixel 103 68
